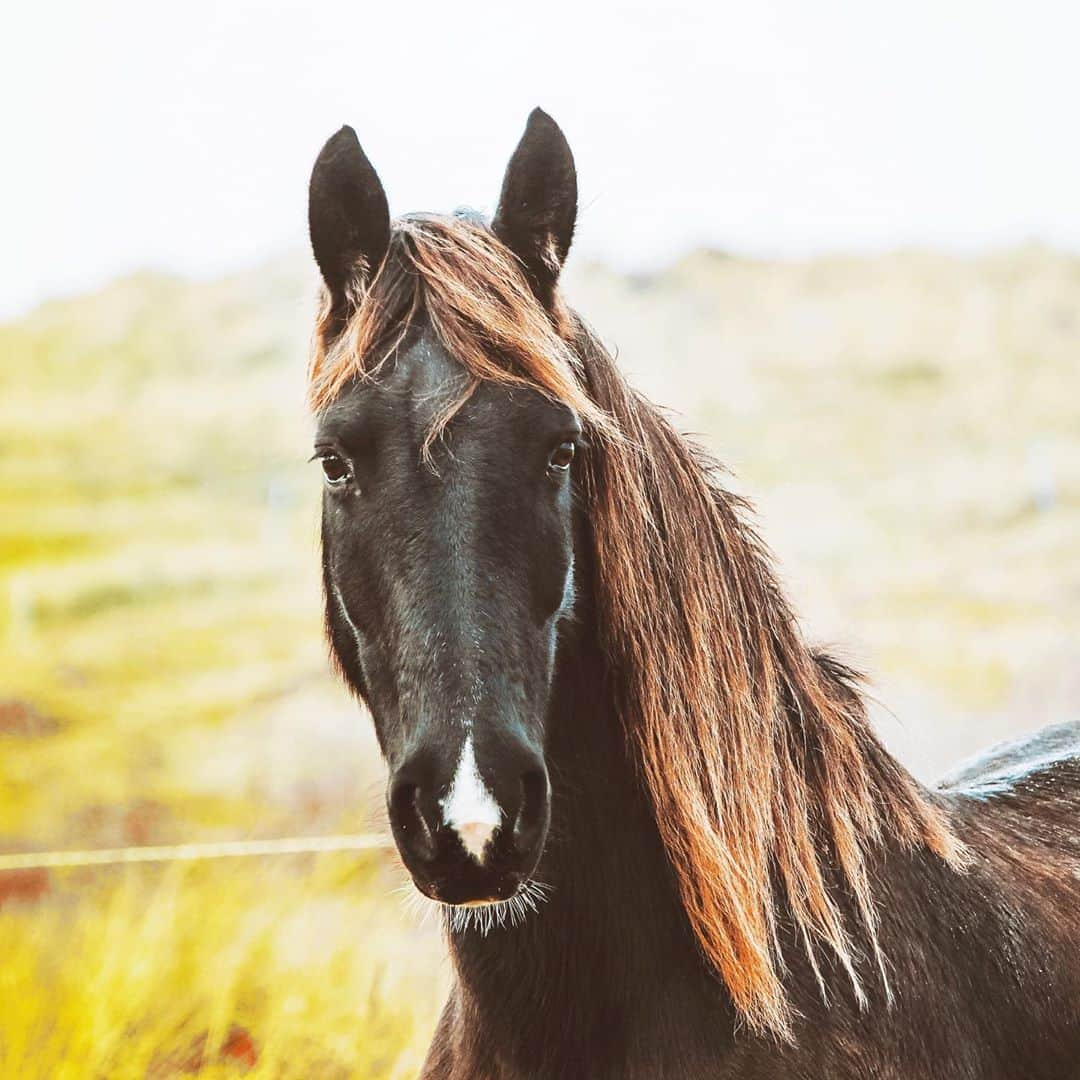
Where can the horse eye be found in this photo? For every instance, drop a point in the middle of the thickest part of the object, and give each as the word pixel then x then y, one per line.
pixel 334 469
pixel 561 457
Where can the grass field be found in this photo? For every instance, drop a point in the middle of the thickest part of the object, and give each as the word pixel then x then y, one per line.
pixel 908 425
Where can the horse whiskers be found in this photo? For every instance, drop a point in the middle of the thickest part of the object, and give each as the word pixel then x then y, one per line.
pixel 487 917
pixel 482 918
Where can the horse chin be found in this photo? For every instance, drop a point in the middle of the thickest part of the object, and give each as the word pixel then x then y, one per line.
pixel 483 915
pixel 506 913
pixel 451 897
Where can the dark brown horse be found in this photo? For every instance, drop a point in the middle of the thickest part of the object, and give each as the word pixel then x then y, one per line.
pixel 666 839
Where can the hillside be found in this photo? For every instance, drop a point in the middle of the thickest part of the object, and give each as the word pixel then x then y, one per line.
pixel 909 426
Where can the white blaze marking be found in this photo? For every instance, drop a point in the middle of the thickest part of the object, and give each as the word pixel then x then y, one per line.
pixel 469 808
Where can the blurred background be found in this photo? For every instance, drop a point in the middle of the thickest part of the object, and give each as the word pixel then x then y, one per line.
pixel 840 240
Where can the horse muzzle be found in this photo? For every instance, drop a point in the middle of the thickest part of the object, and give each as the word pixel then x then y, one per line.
pixel 470 833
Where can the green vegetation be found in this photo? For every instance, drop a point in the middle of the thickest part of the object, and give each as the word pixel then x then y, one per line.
pixel 907 424
pixel 159 611
pixel 155 558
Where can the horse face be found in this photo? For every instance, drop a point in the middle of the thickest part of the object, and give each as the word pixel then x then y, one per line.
pixel 446 582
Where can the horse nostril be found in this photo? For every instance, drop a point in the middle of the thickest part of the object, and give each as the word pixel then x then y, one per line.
pixel 409 821
pixel 532 816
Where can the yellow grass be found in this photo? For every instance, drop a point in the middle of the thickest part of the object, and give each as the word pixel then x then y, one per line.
pixel 135 974
pixel 160 640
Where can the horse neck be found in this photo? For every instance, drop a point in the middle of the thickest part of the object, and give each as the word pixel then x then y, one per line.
pixel 613 926
pixel 605 848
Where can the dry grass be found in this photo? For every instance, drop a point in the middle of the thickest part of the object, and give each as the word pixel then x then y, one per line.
pixel 908 425
pixel 279 970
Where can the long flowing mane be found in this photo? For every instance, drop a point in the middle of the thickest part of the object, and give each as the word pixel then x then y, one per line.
pixel 768 784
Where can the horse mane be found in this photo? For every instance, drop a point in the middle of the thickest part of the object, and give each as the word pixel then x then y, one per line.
pixel 768 785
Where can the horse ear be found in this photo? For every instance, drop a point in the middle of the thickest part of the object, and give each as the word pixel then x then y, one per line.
pixel 538 204
pixel 348 215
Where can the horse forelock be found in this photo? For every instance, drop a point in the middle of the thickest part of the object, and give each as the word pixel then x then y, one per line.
pixel 768 785
pixel 474 294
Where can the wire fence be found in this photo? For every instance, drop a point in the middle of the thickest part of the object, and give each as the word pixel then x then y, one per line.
pixel 225 849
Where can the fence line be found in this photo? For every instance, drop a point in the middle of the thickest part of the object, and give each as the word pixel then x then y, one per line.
pixel 226 849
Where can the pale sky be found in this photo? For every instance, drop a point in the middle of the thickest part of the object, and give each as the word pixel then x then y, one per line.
pixel 180 136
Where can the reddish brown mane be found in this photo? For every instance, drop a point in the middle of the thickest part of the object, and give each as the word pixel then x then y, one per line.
pixel 474 294
pixel 765 776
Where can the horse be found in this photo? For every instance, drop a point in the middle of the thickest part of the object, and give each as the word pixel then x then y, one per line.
pixel 665 838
